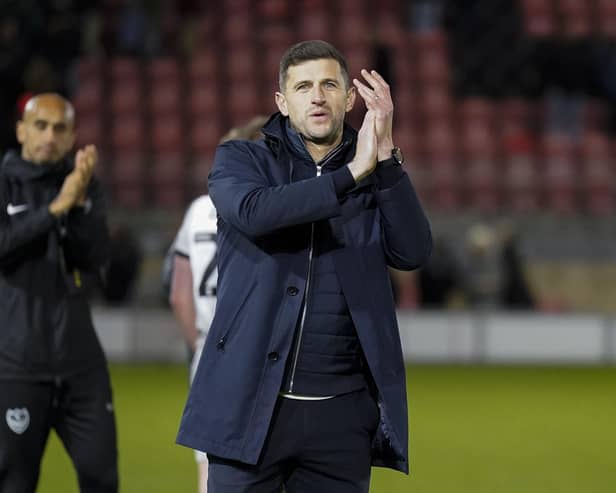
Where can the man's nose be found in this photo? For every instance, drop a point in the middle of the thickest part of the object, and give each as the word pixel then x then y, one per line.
pixel 49 135
pixel 318 96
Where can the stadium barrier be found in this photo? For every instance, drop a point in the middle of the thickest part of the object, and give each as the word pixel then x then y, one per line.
pixel 139 335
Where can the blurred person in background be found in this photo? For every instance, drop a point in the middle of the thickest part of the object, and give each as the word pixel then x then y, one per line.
pixel 517 293
pixel 122 273
pixel 53 373
pixel 492 273
pixel 302 383
pixel 193 273
pixel 482 271
pixel 438 279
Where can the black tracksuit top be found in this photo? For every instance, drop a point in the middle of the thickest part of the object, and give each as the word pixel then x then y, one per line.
pixel 46 329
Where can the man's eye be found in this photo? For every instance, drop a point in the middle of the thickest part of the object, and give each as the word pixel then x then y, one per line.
pixel 40 125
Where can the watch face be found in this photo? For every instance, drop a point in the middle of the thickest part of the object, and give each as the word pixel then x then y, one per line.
pixel 396 153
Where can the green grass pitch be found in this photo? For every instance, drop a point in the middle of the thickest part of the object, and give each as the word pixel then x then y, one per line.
pixel 479 429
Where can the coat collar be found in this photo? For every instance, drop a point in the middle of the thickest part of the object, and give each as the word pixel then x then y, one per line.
pixel 280 135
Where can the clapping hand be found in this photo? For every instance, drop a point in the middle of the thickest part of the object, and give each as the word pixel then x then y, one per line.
pixel 73 191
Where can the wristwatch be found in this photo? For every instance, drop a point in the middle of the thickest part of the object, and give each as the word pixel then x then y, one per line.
pixel 397 156
pixel 396 159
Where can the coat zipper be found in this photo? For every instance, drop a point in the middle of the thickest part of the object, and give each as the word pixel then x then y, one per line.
pixel 305 308
pixel 319 166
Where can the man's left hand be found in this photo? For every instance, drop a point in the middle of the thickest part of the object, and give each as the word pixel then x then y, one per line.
pixel 377 97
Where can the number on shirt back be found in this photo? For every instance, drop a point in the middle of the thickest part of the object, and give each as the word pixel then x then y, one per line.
pixel 204 289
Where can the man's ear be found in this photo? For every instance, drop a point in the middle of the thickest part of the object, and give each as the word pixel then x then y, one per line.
pixel 351 96
pixel 20 131
pixel 281 102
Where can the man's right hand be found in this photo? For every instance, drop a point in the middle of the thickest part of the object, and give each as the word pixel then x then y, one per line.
pixel 76 182
pixel 364 161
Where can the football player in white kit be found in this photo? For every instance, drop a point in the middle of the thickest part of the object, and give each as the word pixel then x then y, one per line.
pixel 194 275
pixel 193 285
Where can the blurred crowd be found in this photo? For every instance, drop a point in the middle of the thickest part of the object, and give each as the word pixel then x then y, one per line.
pixel 501 105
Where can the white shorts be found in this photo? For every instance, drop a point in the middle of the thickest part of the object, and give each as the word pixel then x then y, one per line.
pixel 200 457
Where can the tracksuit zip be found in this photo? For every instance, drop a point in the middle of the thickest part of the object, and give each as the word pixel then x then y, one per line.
pixel 308 277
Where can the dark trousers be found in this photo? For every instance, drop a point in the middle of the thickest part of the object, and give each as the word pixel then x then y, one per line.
pixel 312 446
pixel 80 410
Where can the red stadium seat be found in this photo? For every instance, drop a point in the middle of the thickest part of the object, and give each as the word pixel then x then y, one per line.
pixel 597 174
pixel 595 146
pixel 238 28
pixel 390 29
pixel 204 100
pixel 241 64
pixel 269 67
pixel 358 57
pixel 124 70
pixel 169 196
pixel 127 134
pixel 234 6
pixel 352 31
pixel 429 42
pixel 349 8
pixel 165 98
pixel 88 98
pixel 164 70
pixel 404 70
pixel 521 184
pixel 273 10
pixel 517 110
pixel 435 102
pixel 89 69
pixel 576 18
pixel 126 97
pixel 595 115
pixel 205 32
pixel 606 18
pixel 315 25
pixel 478 140
pixel 539 17
pixel 278 36
pixel 476 110
pixel 167 169
pixel 312 6
pixel 560 179
pixel 432 69
pixel 406 103
pixel 89 131
pixel 199 174
pixel 167 134
pixel 444 190
pixel 128 168
pixel 205 134
pixel 204 67
pixel 482 185
pixel 439 141
pixel 244 102
pixel 128 195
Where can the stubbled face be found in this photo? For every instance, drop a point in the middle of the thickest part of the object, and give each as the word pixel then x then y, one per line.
pixel 46 131
pixel 316 100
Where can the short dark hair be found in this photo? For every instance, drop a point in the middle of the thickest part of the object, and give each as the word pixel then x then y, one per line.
pixel 305 51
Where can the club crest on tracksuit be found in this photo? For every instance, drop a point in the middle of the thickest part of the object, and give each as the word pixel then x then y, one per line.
pixel 18 419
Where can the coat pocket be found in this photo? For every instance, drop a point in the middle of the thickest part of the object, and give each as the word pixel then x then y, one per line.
pixel 228 317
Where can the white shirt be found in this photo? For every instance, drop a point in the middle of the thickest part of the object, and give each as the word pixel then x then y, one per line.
pixel 196 240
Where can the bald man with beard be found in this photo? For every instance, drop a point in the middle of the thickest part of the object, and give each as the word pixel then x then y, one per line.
pixel 53 373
